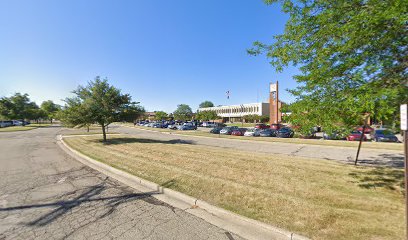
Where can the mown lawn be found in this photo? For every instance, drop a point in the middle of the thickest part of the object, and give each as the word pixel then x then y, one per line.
pixel 317 198
pixel 23 128
pixel 338 143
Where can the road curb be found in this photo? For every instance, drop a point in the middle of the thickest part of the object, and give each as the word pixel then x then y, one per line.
pixel 234 223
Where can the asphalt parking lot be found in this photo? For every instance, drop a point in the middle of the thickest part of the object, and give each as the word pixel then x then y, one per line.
pixel 45 194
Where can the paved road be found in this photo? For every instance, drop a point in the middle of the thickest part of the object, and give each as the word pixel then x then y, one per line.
pixel 377 157
pixel 44 194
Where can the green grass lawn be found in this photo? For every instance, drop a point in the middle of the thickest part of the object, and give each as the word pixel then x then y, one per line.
pixel 17 128
pixel 24 128
pixel 337 143
pixel 320 199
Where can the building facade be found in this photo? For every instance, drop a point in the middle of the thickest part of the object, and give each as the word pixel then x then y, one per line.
pixel 234 113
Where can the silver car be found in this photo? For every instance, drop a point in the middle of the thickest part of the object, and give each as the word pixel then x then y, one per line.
pixel 252 132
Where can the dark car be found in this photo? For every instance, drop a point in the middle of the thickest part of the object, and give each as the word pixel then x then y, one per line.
pixel 216 130
pixel 267 133
pixel 285 133
pixel 383 135
pixel 355 136
pixel 239 132
pixel 261 126
pixel 228 130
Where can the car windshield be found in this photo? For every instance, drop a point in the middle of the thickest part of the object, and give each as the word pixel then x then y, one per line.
pixel 355 132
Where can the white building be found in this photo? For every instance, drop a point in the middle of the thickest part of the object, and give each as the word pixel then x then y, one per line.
pixel 234 113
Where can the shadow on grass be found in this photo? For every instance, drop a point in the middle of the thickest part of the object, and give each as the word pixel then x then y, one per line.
pixel 387 159
pixel 381 177
pixel 116 141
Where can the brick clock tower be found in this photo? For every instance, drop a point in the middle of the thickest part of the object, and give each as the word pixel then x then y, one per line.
pixel 275 115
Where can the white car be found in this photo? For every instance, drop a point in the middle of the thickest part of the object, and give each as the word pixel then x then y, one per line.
pixel 17 123
pixel 252 132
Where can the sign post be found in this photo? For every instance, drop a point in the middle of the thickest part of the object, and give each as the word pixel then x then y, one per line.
pixel 404 132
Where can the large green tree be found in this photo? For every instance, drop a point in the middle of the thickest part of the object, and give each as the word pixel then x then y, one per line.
pixel 98 102
pixel 206 104
pixel 160 115
pixel 183 112
pixel 353 57
pixel 50 109
pixel 18 106
pixel 207 115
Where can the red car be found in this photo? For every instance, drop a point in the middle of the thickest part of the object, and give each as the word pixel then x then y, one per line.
pixel 276 126
pixel 355 136
pixel 367 129
pixel 239 132
pixel 261 126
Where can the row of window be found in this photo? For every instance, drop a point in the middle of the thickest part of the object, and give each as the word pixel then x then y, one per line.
pixel 248 110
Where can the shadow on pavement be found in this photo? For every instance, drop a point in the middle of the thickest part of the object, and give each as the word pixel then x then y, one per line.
pixel 90 195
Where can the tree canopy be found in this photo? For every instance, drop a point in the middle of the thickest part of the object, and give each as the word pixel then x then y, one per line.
pixel 98 102
pixel 352 56
pixel 50 109
pixel 206 104
pixel 183 112
pixel 160 115
pixel 207 115
pixel 19 106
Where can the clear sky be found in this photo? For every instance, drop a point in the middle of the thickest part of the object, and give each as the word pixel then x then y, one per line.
pixel 161 52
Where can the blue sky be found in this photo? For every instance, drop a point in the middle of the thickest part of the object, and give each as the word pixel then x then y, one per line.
pixel 161 52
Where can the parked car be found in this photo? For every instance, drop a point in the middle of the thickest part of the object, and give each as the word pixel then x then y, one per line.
pixel 239 132
pixel 172 126
pixel 368 129
pixel 208 124
pixel 17 123
pixel 276 126
pixel 228 130
pixel 157 125
pixel 355 136
pixel 383 135
pixel 261 126
pixel 285 133
pixel 252 132
pixel 267 133
pixel 6 123
pixel 216 130
pixel 333 136
pixel 186 127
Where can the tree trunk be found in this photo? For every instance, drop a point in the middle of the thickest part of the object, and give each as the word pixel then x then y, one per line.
pixel 87 128
pixel 104 133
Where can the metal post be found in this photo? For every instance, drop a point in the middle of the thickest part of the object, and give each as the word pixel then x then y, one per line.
pixel 359 145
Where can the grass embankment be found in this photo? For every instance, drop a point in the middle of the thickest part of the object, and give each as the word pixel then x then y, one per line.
pixel 336 143
pixel 23 128
pixel 93 130
pixel 317 198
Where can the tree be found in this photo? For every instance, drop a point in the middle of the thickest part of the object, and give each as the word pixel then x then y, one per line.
pixel 75 113
pixel 264 119
pixel 207 115
pixel 206 104
pixel 160 115
pixel 353 58
pixel 50 109
pixel 98 102
pixel 18 106
pixel 183 112
pixel 132 113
